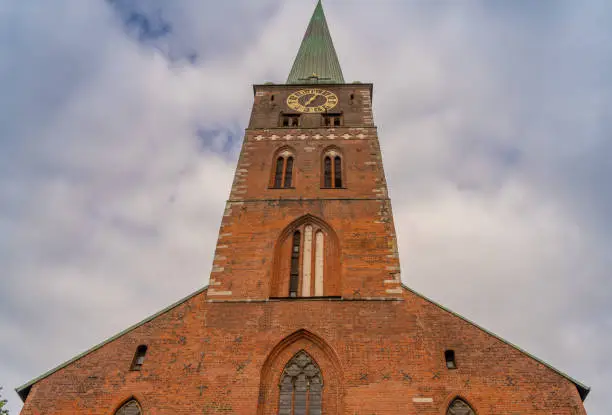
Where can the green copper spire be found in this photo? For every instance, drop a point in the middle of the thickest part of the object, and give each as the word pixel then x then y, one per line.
pixel 316 61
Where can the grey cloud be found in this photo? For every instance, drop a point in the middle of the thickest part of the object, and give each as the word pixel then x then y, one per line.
pixel 117 153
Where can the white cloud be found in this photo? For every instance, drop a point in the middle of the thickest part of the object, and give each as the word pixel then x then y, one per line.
pixel 492 129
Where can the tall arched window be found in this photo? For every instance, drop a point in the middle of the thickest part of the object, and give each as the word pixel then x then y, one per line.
pixel 131 407
pixel 332 170
pixel 459 407
pixel 283 170
pixel 301 387
pixel 306 260
pixel 307 254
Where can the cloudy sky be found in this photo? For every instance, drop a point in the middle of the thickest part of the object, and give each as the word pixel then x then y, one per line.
pixel 121 121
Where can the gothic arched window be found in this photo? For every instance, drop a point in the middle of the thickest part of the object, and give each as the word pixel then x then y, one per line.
pixel 301 387
pixel 131 407
pixel 306 260
pixel 283 170
pixel 459 407
pixel 332 170
pixel 307 255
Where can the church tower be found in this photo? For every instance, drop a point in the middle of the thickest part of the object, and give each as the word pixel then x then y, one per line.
pixel 308 214
pixel 305 312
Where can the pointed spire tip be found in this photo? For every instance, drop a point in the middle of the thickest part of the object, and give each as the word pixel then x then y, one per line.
pixel 316 61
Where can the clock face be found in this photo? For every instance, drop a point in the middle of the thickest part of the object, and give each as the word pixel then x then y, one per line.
pixel 312 100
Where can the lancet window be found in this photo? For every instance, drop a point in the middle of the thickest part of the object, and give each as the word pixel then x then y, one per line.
pixel 307 266
pixel 459 407
pixel 283 170
pixel 301 387
pixel 131 407
pixel 332 169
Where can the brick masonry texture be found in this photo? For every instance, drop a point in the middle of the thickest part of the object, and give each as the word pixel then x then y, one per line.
pixel 375 356
pixel 380 347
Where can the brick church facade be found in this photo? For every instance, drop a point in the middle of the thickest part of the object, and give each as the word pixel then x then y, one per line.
pixel 305 312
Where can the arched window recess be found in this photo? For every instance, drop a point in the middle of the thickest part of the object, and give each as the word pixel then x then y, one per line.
pixel 301 387
pixel 306 261
pixel 333 169
pixel 131 407
pixel 459 407
pixel 282 174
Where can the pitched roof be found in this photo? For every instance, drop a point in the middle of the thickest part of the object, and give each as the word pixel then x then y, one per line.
pixel 316 60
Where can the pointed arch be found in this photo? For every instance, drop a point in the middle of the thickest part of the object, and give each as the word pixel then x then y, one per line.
pixel 282 171
pixel 128 406
pixel 333 168
pixel 325 358
pixel 458 405
pixel 318 260
pixel 301 386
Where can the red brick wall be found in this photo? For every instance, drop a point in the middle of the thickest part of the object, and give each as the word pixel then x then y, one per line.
pixel 375 357
pixel 359 213
pixel 379 346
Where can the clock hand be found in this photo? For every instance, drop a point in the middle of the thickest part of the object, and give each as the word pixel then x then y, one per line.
pixel 310 100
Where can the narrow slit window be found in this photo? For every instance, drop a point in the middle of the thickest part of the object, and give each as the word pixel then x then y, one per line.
pixel 337 172
pixel 139 357
pixel 449 355
pixel 288 172
pixel 327 182
pixel 294 276
pixel 278 174
pixel 272 98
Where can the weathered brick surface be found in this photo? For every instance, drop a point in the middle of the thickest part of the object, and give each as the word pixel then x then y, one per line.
pixel 376 356
pixel 380 347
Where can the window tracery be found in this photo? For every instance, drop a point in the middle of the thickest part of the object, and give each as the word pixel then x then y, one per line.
pixel 301 387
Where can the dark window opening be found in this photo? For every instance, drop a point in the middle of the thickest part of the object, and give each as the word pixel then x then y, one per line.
pixel 459 407
pixel 278 175
pixel 301 387
pixel 327 182
pixel 294 275
pixel 337 172
pixel 131 407
pixel 449 355
pixel 332 171
pixel 332 120
pixel 290 120
pixel 139 357
pixel 283 172
pixel 288 172
pixel 272 98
